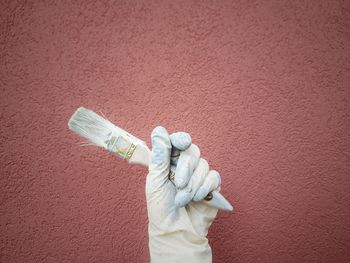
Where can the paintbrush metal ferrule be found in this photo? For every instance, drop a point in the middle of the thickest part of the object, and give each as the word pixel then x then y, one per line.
pixel 121 145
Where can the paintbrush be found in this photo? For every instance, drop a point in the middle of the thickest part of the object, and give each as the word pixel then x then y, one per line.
pixel 101 132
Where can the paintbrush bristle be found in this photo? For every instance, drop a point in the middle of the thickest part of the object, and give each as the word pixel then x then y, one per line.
pixel 91 126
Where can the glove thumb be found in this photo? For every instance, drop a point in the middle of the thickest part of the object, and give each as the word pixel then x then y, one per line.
pixel 160 157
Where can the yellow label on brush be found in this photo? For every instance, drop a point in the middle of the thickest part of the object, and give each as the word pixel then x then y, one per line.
pixel 122 146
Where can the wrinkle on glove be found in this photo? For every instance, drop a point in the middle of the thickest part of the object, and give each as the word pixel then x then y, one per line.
pixel 176 234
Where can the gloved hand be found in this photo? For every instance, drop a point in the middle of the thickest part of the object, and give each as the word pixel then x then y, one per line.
pixel 177 225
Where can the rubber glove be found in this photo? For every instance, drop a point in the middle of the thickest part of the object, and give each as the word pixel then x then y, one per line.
pixel 177 224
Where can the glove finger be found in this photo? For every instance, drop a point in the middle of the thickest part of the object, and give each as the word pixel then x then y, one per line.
pixel 211 183
pixel 160 156
pixel 184 196
pixel 181 140
pixel 186 164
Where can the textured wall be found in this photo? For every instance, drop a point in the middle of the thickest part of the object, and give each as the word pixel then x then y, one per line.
pixel 262 86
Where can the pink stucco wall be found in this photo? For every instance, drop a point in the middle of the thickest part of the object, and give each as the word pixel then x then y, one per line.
pixel 262 86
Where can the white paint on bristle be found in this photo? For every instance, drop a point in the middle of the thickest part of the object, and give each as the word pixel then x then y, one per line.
pixel 91 126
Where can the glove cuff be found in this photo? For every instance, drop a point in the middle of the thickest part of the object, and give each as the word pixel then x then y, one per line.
pixel 179 246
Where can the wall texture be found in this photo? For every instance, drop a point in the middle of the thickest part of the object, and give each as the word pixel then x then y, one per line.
pixel 262 86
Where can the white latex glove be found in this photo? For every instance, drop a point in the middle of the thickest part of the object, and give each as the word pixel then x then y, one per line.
pixel 177 225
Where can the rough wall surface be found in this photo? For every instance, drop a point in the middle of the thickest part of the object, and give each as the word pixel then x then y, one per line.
pixel 262 86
